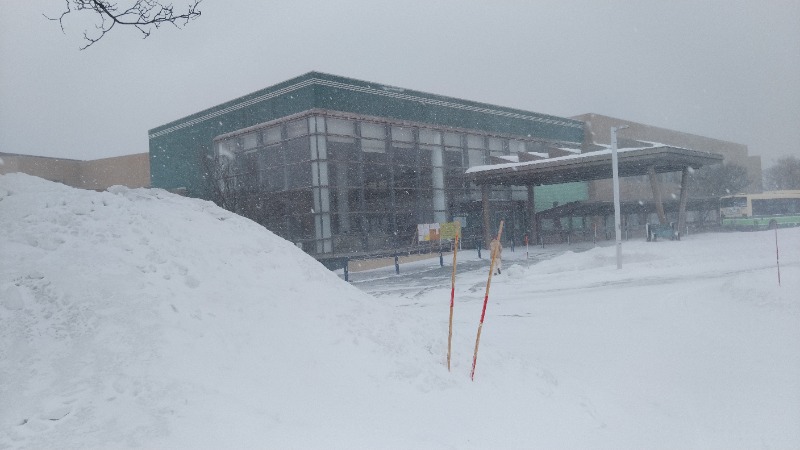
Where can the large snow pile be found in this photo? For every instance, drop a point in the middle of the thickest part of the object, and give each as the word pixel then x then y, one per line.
pixel 139 318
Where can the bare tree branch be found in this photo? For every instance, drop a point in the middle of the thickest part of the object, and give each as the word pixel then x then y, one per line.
pixel 144 15
pixel 785 174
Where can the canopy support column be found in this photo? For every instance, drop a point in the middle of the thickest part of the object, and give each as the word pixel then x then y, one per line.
pixel 530 204
pixel 684 199
pixel 651 173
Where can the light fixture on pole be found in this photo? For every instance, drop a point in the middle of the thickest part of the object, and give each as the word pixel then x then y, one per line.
pixel 615 174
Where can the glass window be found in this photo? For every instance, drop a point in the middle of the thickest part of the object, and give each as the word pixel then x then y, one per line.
pixel 345 174
pixel 298 175
pixel 347 243
pixel 275 179
pixel 405 200
pixel 377 200
pixel 377 175
pixel 342 151
pixel 262 178
pixel 230 146
pixel 342 139
pixel 425 205
pixel 250 140
pixel 496 146
pixel 452 158
pixel 373 158
pixel 297 150
pixel 516 146
pixel 302 226
pixel 454 198
pixel 248 163
pixel 430 155
pixel 353 200
pixel 430 137
pixel 341 127
pixel 402 134
pixel 373 146
pixel 536 147
pixel 475 141
pixel 406 225
pixel 272 135
pixel 373 130
pixel 476 158
pixel 262 159
pixel 406 156
pixel 296 128
pixel 273 156
pixel 452 139
pixel 224 149
pixel 454 180
pixel 405 176
pixel 425 178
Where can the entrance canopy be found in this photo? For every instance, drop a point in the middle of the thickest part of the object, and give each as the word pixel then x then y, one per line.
pixel 595 165
pixel 592 166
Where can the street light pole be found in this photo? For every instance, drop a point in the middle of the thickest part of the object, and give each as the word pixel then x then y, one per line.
pixel 615 174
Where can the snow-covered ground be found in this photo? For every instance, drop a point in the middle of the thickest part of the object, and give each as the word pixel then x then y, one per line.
pixel 139 318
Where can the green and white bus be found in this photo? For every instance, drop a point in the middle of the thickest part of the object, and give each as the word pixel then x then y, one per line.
pixel 763 211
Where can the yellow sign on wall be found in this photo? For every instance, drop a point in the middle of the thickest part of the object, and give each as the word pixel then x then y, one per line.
pixel 448 230
pixel 438 231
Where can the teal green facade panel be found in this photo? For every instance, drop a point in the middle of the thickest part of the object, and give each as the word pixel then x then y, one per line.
pixel 544 196
pixel 341 94
pixel 178 149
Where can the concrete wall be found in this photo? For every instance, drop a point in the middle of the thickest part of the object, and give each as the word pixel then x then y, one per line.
pixel 65 171
pixel 129 170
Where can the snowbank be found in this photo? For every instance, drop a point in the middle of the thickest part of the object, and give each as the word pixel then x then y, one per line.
pixel 140 318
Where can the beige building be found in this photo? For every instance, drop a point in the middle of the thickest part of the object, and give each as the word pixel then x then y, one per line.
pixel 597 130
pixel 99 174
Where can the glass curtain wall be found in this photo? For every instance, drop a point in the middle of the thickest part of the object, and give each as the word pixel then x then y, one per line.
pixel 340 185
pixel 377 217
pixel 266 175
pixel 345 181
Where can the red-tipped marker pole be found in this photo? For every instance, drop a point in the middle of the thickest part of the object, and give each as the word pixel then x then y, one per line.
pixel 485 301
pixel 452 298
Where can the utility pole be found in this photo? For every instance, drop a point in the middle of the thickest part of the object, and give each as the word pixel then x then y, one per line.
pixel 615 173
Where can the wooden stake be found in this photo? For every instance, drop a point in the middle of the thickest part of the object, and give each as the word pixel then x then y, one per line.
pixel 452 298
pixel 485 301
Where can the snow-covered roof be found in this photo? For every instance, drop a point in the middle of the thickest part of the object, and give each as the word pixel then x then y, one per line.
pixel 509 158
pixel 592 166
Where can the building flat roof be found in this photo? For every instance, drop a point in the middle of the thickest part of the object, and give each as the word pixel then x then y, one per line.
pixel 592 166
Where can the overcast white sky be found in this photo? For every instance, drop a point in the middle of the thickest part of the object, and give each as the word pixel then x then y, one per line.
pixel 724 69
